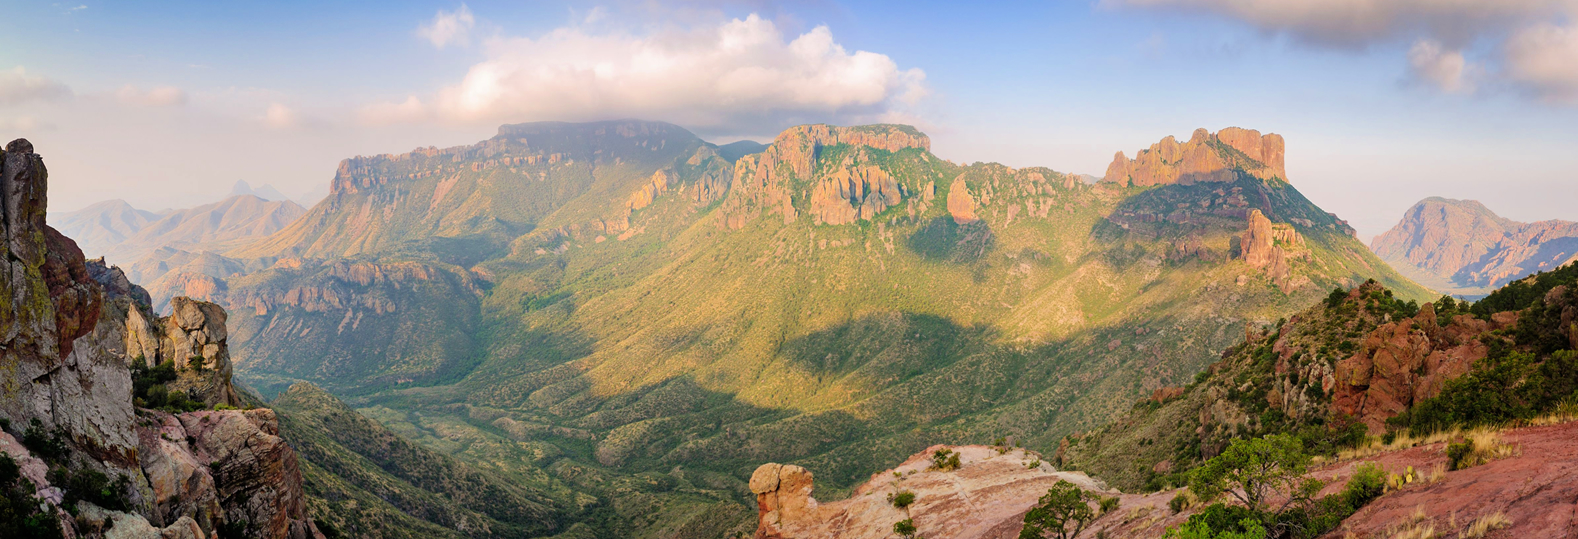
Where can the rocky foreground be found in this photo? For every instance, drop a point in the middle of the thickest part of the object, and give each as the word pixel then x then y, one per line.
pixel 1532 490
pixel 96 460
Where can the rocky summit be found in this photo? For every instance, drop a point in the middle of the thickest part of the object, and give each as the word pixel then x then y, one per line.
pixel 1206 157
pixel 124 424
pixel 1462 247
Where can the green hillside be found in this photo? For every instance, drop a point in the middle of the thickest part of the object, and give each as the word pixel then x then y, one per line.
pixel 641 309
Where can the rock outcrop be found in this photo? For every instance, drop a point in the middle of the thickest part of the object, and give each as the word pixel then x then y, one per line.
pixel 72 330
pixel 1269 246
pixel 961 206
pixel 854 190
pixel 1206 157
pixel 1407 361
pixel 986 497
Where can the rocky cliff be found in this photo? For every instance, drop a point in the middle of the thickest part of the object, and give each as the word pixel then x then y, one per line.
pixel 79 340
pixel 1206 157
pixel 1460 246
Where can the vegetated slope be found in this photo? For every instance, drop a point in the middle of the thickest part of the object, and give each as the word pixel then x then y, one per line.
pixel 1359 362
pixel 841 299
pixel 366 481
pixel 1460 246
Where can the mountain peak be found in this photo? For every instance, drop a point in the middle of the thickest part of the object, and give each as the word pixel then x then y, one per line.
pixel 1207 157
pixel 265 191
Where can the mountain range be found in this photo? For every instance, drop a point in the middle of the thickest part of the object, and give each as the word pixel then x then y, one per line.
pixel 1461 247
pixel 580 306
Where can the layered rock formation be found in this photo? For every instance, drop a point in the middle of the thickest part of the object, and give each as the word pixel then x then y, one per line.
pixel 1461 246
pixel 1206 157
pixel 986 497
pixel 74 329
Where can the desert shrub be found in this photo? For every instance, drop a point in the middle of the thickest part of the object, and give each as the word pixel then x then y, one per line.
pixel 1109 505
pixel 1367 483
pixel 93 486
pixel 1063 512
pixel 20 516
pixel 905 528
pixel 901 499
pixel 237 529
pixel 44 443
pixel 945 460
pixel 1457 452
pixel 149 391
pixel 1181 502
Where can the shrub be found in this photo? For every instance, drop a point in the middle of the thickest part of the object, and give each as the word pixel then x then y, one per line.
pixel 1109 505
pixel 901 499
pixel 945 460
pixel 905 528
pixel 1063 512
pixel 1182 502
pixel 1457 453
pixel 20 516
pixel 87 485
pixel 47 444
pixel 1367 483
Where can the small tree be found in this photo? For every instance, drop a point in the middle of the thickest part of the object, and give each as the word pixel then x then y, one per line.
pixel 945 460
pixel 1062 513
pixel 902 499
pixel 1256 470
pixel 905 528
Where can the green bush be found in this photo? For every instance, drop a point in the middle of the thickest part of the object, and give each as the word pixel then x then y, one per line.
pixel 902 499
pixel 93 486
pixel 945 460
pixel 1063 512
pixel 20 516
pixel 905 528
pixel 149 391
pixel 46 444
pixel 1109 505
pixel 1457 452
pixel 1367 483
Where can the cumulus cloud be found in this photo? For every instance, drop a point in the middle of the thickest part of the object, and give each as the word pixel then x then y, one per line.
pixel 1361 22
pixel 449 27
pixel 18 86
pixel 1445 69
pixel 722 76
pixel 1544 58
pixel 162 96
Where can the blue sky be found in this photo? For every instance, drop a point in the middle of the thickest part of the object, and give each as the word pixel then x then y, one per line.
pixel 1382 102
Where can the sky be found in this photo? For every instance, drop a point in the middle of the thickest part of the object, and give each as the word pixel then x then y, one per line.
pixel 1382 102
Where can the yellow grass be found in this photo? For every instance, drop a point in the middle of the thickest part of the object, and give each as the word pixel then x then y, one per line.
pixel 1486 524
pixel 1416 526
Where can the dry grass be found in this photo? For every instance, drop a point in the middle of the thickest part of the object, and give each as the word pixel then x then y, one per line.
pixel 1486 524
pixel 1485 447
pixel 1416 526
pixel 1566 411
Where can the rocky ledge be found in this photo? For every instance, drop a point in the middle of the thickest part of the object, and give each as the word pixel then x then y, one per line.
pixel 987 496
pixel 1206 157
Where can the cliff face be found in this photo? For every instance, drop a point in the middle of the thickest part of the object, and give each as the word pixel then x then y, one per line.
pixel 72 331
pixel 851 190
pixel 1206 157
pixel 1465 248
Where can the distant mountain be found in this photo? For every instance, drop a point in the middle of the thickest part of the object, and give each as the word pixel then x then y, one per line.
pixel 265 191
pixel 733 151
pixel 1461 247
pixel 102 226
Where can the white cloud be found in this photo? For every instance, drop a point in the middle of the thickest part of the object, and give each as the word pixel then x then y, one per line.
pixel 25 124
pixel 1445 69
pixel 1544 58
pixel 596 14
pixel 1361 22
pixel 162 96
pixel 280 116
pixel 17 86
pixel 723 77
pixel 449 27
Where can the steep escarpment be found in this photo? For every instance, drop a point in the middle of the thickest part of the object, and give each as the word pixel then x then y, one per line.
pixel 1460 246
pixel 86 362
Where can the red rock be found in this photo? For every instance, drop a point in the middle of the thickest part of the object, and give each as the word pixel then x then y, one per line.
pixel 1200 160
